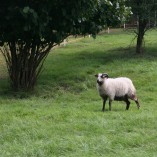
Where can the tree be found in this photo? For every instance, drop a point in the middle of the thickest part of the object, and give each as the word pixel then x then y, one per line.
pixel 29 29
pixel 145 12
pixel 115 12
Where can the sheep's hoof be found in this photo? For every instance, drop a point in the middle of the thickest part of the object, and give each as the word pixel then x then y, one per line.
pixel 138 107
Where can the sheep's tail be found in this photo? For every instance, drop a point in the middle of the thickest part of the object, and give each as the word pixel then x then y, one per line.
pixel 133 92
pixel 134 97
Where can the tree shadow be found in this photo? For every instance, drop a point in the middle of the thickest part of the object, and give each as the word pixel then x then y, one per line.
pixel 75 72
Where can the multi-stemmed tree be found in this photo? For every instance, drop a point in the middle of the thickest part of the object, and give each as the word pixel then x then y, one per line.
pixel 29 29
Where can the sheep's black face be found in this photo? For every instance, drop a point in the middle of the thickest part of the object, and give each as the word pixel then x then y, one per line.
pixel 100 78
pixel 100 82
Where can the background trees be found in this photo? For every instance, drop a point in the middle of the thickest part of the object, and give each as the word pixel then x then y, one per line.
pixel 145 12
pixel 29 29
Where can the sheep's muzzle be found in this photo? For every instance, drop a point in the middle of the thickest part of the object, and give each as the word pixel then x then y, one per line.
pixel 99 82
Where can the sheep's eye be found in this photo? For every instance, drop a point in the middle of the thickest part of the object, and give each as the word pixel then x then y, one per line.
pixel 102 76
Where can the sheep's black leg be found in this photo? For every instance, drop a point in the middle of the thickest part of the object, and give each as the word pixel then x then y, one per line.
pixel 104 102
pixel 127 104
pixel 137 103
pixel 110 101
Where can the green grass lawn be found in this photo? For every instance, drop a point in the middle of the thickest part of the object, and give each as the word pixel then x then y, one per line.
pixel 63 117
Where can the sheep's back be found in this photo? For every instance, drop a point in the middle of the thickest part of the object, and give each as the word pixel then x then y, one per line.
pixel 119 87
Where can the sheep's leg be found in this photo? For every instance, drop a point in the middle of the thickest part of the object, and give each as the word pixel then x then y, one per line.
pixel 127 104
pixel 110 101
pixel 136 101
pixel 104 102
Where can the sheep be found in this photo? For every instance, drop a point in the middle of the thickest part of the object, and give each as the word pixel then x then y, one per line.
pixel 120 89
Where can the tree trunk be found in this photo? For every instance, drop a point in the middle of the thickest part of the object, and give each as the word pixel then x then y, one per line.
pixel 24 62
pixel 139 45
pixel 140 35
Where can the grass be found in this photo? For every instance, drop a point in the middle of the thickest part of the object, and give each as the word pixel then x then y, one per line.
pixel 63 117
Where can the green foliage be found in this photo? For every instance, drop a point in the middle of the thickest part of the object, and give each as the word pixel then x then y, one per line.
pixel 144 11
pixel 52 21
pixel 115 12
pixel 29 29
pixel 144 8
pixel 63 117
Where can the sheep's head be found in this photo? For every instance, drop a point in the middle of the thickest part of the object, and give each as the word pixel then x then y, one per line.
pixel 101 78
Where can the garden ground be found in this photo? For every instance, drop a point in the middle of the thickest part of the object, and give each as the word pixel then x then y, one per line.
pixel 63 117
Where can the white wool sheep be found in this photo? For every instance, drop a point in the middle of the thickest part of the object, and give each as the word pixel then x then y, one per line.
pixel 120 89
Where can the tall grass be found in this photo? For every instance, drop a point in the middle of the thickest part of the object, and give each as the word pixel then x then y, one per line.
pixel 63 117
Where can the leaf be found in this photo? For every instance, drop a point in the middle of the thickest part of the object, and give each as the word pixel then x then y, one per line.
pixel 64 12
pixel 26 9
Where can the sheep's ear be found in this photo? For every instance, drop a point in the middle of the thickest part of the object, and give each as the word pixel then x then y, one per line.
pixel 96 75
pixel 105 75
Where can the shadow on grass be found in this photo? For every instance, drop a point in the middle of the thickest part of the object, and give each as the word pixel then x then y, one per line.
pixel 82 66
pixel 74 73
pixel 120 53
